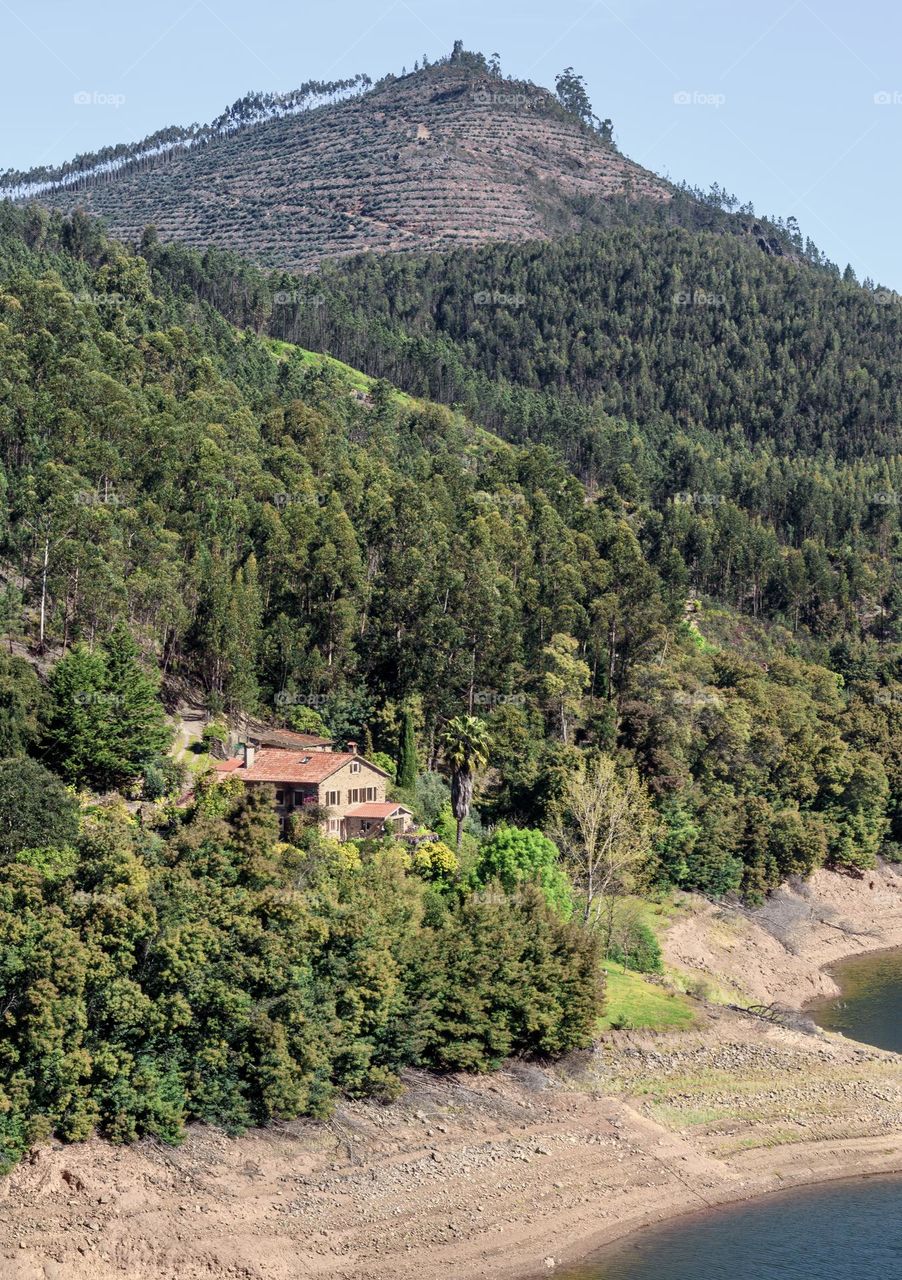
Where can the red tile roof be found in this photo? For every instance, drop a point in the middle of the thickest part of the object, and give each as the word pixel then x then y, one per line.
pixel 375 809
pixel 228 766
pixel 275 765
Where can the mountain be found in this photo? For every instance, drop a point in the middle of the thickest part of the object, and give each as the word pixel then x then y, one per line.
pixel 452 155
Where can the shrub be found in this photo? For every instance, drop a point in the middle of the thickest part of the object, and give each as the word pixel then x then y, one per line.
pixel 636 947
pixel 498 976
pixel 215 734
pixel 163 777
pixel 515 855
pixel 35 808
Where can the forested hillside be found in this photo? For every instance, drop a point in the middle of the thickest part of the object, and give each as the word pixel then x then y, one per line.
pixel 285 540
pixel 645 658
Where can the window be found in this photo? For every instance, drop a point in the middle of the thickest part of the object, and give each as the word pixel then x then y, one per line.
pixel 333 798
pixel 366 825
pixel 299 797
pixel 371 793
pixel 333 824
pixel 355 766
pixel 280 797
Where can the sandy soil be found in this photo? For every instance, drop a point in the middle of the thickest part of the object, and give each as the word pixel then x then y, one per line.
pixel 506 1176
pixel 778 953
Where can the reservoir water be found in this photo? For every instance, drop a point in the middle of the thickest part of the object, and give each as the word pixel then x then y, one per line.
pixel 842 1231
pixel 870 1006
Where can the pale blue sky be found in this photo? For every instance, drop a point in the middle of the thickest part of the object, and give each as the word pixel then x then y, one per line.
pixel 794 104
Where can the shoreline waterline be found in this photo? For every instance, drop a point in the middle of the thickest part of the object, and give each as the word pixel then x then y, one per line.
pixel 868 1008
pixel 616 1238
pixel 620 1258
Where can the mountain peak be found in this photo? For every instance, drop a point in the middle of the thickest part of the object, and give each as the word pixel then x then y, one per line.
pixel 446 156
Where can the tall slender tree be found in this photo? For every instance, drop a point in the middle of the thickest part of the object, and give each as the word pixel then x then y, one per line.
pixel 466 745
pixel 407 753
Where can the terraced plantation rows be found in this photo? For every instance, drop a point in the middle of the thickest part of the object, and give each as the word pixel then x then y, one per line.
pixel 440 158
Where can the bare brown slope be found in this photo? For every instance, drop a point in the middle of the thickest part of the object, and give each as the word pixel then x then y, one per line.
pixel 442 158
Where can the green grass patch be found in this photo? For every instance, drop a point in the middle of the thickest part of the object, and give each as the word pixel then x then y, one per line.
pixel 690 630
pixel 674 1117
pixel 346 373
pixel 634 1002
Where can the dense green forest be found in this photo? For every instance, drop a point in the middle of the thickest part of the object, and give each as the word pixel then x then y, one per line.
pixel 207 972
pixel 280 541
pixel 694 635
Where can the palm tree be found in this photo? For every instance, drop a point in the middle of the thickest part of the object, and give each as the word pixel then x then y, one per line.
pixel 466 744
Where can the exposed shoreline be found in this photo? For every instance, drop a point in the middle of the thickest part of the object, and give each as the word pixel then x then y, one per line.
pixel 497 1176
pixel 690 1215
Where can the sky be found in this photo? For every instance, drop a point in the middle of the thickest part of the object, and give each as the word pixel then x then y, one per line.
pixel 795 105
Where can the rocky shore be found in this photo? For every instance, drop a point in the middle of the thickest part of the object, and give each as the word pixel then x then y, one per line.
pixel 512 1175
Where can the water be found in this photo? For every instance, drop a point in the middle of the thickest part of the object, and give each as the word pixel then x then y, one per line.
pixel 870 1006
pixel 844 1231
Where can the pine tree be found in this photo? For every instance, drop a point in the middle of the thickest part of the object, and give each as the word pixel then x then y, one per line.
pixel 105 721
pixel 138 730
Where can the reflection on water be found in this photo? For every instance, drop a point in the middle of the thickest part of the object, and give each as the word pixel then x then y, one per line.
pixel 847 1231
pixel 870 1007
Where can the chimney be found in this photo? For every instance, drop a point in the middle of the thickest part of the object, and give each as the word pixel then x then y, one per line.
pixel 352 747
pixel 250 754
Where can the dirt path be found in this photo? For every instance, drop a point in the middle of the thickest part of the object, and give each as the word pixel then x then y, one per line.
pixel 503 1176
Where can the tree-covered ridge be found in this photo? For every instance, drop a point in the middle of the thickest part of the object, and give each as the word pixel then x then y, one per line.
pixel 284 543
pixel 780 519
pixel 676 330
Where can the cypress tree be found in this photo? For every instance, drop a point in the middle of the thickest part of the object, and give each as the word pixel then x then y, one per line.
pixel 105 721
pixel 74 739
pixel 407 754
